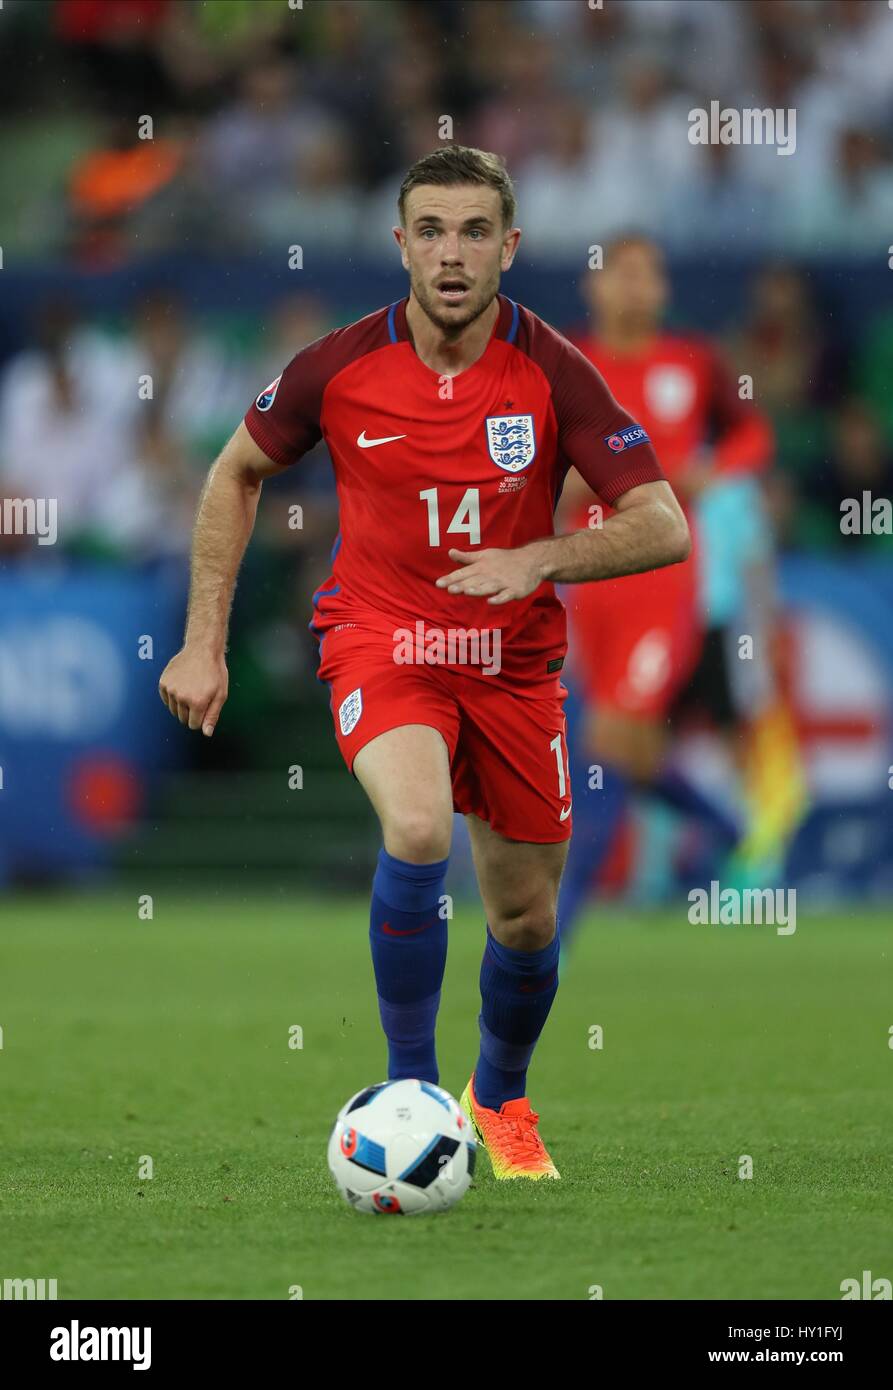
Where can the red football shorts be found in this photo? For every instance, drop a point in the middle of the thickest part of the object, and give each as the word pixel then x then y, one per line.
pixel 635 641
pixel 508 752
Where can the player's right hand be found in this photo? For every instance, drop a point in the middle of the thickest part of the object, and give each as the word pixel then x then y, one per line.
pixel 194 686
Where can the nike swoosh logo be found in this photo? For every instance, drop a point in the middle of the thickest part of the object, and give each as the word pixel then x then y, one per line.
pixel 564 814
pixel 409 931
pixel 365 443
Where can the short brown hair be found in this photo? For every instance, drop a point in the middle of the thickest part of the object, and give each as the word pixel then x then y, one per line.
pixel 457 164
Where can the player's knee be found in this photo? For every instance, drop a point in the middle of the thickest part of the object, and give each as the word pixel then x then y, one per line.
pixel 528 930
pixel 419 836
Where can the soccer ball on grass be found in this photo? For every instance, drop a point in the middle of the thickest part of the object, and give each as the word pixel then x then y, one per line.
pixel 402 1148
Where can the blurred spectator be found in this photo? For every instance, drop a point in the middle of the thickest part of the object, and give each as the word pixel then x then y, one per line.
pixel 319 207
pixel 120 432
pixel 332 101
pixel 703 44
pixel 721 205
pixel 563 194
pixel 849 207
pixel 515 70
pixel 855 54
pixel 110 183
pixel 783 79
pixel 204 46
pixel 352 45
pixel 68 425
pixel 860 461
pixel 783 344
pixel 254 145
pixel 644 137
pixel 413 94
pixel 116 43
pixel 873 371
pixel 795 370
pixel 198 389
pixel 191 212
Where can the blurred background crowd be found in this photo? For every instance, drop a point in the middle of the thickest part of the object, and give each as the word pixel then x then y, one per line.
pixel 276 125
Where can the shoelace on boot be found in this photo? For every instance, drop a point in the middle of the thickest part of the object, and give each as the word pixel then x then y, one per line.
pixel 523 1138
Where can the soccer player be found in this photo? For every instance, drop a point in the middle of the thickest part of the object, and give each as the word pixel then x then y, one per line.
pixel 636 641
pixel 451 418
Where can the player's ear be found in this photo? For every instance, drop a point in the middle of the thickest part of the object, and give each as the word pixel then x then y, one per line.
pixel 400 238
pixel 509 247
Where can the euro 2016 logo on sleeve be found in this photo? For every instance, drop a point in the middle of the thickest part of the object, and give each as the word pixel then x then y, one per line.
pixel 511 441
pixel 268 396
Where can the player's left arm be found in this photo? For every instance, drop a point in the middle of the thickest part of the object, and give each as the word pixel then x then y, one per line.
pixel 647 531
pixel 614 456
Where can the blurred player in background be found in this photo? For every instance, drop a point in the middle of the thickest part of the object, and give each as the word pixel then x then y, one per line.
pixel 454 413
pixel 636 641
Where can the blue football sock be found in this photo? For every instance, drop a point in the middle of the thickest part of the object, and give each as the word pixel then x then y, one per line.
pixel 409 945
pixel 598 813
pixel 517 989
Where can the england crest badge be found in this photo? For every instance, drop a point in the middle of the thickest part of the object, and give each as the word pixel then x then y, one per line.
pixel 511 441
pixel 349 711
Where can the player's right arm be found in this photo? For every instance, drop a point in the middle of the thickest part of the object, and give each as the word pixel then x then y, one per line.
pixel 195 683
pixel 281 425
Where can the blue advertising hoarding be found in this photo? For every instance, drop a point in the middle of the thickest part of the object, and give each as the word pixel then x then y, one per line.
pixel 82 730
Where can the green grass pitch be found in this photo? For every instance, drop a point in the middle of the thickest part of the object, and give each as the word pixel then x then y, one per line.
pixel 170 1038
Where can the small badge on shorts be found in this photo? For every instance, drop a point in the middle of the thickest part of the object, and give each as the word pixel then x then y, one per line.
pixel 349 711
pixel 555 664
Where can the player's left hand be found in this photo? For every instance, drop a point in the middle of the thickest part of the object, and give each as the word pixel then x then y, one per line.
pixel 497 575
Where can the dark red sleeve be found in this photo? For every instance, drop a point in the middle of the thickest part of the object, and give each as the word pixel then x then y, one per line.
pixel 744 439
pixel 595 434
pixel 286 418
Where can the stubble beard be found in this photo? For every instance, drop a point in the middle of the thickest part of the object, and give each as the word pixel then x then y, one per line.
pixel 452 324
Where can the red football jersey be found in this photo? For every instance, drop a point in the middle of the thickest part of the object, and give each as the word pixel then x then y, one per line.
pixel 425 463
pixel 681 392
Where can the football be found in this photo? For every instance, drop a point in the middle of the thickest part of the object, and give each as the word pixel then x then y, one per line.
pixel 402 1148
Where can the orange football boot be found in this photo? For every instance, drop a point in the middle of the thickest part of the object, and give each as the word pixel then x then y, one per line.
pixel 510 1136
